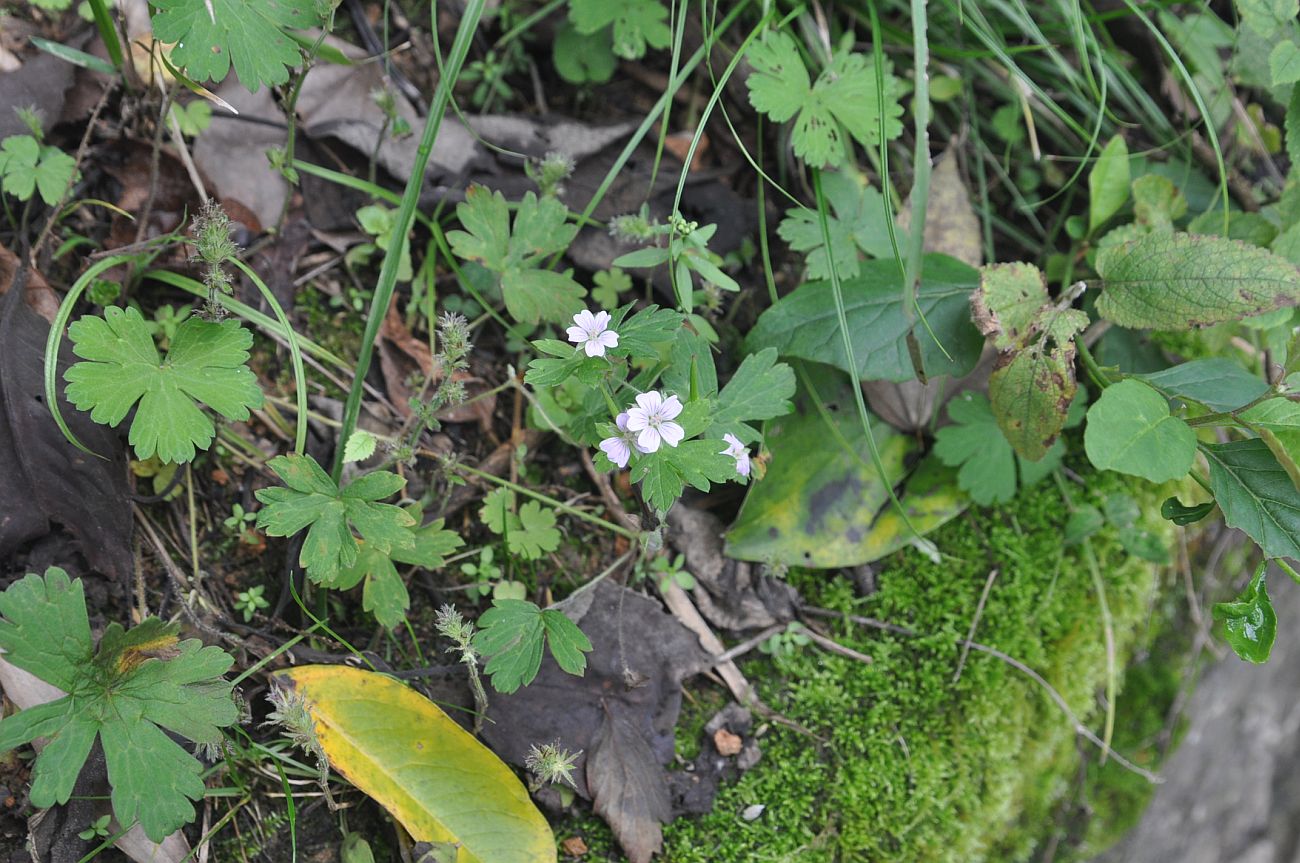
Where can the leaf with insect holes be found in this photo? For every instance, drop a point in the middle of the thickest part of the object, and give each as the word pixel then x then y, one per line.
pixel 1180 281
pixel 760 389
pixel 138 680
pixel 385 595
pixel 310 499
pixel 1249 622
pixel 27 166
pixel 858 221
pixel 1130 430
pixel 211 35
pixel 206 363
pixel 636 23
pixel 540 230
pixel 511 635
pixel 844 97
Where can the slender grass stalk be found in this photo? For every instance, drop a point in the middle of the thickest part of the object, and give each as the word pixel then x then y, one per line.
pixel 549 501
pixel 920 194
pixel 295 355
pixel 107 32
pixel 402 223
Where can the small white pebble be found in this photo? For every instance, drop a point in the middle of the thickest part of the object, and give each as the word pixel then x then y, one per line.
pixel 751 813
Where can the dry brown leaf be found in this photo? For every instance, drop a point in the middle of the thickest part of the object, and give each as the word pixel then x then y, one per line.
pixel 726 743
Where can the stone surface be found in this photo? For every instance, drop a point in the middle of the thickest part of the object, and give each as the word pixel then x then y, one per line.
pixel 1231 789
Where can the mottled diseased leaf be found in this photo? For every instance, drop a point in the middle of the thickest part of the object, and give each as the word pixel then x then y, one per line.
pixel 432 776
pixel 931 498
pixel 540 229
pixel 1130 430
pixel 310 499
pixel 1256 495
pixel 628 788
pixel 138 680
pixel 210 35
pixel 1217 383
pixel 1177 281
pixel 1108 183
pixel 1007 302
pixel 821 493
pixel 804 324
pixel 1249 622
pixel 207 363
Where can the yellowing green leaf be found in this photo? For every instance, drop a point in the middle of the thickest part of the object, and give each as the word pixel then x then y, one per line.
pixel 431 775
pixel 1178 281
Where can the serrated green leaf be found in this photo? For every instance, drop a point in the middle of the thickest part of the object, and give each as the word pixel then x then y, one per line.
pixel 1256 495
pixel 206 363
pixel 760 389
pixel 139 680
pixel 804 323
pixel 569 645
pixel 1277 422
pixel 1249 622
pixel 976 445
pixel 210 35
pixel 360 446
pixel 1130 430
pixel 644 333
pixel 1284 63
pixel 1177 281
pixel 311 499
pixel 27 167
pixel 665 473
pixel 636 23
pixel 1108 183
pixel 1217 383
pixel 857 221
pixel 540 229
pixel 498 506
pixel 582 58
pixel 1265 16
pixel 844 96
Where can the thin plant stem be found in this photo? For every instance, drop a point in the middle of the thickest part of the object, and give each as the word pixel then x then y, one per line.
pixel 549 501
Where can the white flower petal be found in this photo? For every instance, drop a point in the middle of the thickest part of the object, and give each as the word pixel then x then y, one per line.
pixel 648 440
pixel 594 348
pixel 672 433
pixel 617 450
pixel 577 335
pixel 650 402
pixel 742 464
pixel 584 319
pixel 601 319
pixel 637 419
pixel 672 406
pixel 621 421
pixel 609 339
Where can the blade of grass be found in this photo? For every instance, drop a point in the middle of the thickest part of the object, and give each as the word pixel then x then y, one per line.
pixel 405 215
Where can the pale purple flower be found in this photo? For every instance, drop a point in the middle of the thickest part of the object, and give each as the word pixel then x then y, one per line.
pixel 619 449
pixel 652 419
pixel 738 451
pixel 592 333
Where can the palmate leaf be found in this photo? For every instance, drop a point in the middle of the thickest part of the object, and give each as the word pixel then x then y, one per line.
pixel 636 23
pixel 385 595
pixel 511 634
pixel 760 389
pixel 206 363
pixel 26 167
pixel 857 221
pixel 540 229
pixel 312 499
pixel 140 681
pixel 210 35
pixel 844 96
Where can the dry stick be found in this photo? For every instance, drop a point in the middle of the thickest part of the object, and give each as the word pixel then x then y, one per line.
pixel 974 624
pixel 612 503
pixel 1056 697
pixel 835 647
pixel 748 644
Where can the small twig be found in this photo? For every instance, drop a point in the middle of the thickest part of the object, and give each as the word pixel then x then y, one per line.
pixel 835 647
pixel 748 644
pixel 612 503
pixel 974 624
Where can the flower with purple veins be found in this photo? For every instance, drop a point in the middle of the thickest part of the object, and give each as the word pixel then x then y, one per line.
pixel 738 451
pixel 619 448
pixel 652 419
pixel 592 334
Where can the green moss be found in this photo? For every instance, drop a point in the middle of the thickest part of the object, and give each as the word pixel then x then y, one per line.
pixel 910 765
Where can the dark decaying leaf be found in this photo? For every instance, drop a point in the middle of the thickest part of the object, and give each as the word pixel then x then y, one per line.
pixel 628 788
pixel 640 657
pixel 43 478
